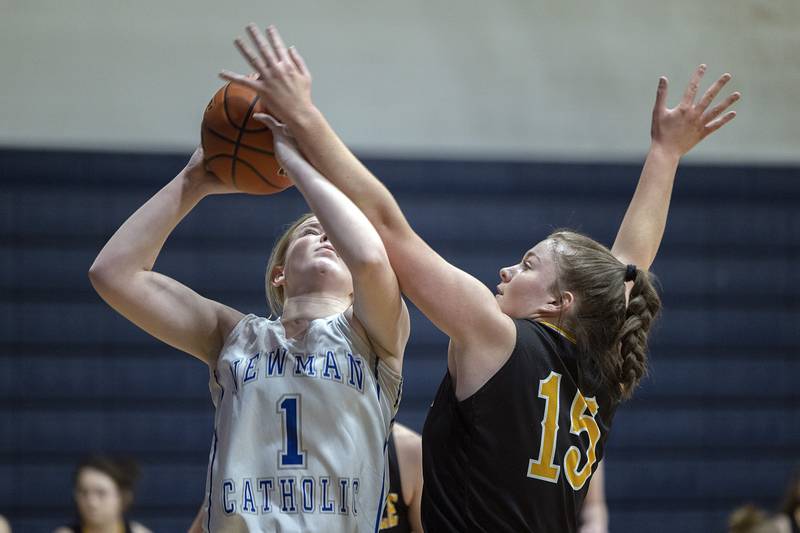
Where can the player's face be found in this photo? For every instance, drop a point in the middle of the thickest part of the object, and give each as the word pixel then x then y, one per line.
pixel 526 288
pixel 98 498
pixel 312 263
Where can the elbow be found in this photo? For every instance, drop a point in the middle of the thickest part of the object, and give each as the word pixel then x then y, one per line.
pixel 105 276
pixel 99 275
pixel 368 261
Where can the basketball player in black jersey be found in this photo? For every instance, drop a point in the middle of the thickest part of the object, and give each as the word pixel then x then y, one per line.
pixel 402 511
pixel 536 371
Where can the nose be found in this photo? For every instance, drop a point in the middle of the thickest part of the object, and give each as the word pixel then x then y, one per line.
pixel 323 237
pixel 505 274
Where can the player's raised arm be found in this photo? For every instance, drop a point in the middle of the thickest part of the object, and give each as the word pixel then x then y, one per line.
pixel 454 301
pixel 673 133
pixel 377 303
pixel 123 275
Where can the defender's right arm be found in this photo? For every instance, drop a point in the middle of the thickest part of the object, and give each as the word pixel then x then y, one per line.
pixel 122 274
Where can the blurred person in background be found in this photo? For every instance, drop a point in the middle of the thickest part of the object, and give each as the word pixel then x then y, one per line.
pixel 789 517
pixel 750 519
pixel 4 527
pixel 103 496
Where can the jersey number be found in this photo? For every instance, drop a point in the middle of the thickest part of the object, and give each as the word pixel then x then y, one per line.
pixel 292 455
pixel 544 468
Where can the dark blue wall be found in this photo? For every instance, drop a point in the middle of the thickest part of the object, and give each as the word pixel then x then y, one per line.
pixel 716 424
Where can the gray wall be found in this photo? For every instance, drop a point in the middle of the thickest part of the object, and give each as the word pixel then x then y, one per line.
pixel 554 80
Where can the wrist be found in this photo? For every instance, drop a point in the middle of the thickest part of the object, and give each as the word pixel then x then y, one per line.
pixel 193 184
pixel 303 117
pixel 664 152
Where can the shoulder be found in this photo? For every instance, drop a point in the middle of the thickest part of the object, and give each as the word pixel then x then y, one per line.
pixel 136 527
pixel 63 529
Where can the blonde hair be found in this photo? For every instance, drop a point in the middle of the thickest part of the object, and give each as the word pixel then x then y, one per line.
pixel 275 295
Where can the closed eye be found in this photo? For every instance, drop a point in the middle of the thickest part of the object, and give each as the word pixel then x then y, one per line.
pixel 310 230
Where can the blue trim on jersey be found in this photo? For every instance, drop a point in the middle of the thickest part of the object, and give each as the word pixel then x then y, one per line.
pixel 377 382
pixel 213 454
pixel 381 502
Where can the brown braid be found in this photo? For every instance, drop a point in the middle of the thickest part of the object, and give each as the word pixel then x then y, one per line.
pixel 643 307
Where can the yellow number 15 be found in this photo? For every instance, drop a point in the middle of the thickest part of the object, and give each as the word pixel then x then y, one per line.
pixel 580 421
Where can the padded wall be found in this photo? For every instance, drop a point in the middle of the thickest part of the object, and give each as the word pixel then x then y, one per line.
pixel 716 424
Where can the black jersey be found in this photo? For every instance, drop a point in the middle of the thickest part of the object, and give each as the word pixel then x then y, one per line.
pixel 395 514
pixel 516 455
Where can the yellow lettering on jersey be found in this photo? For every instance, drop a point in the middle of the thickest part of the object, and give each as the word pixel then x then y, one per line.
pixel 580 422
pixel 390 512
pixel 543 467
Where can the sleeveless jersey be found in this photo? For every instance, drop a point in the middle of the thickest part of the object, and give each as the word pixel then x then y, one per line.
pixel 516 455
pixel 395 513
pixel 300 430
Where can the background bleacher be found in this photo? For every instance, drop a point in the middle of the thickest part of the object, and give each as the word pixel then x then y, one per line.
pixel 715 425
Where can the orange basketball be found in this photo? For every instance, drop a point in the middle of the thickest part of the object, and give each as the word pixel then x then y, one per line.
pixel 237 148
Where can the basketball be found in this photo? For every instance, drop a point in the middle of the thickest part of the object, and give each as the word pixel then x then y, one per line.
pixel 237 148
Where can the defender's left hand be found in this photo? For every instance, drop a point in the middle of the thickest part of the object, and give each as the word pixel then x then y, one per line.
pixel 679 129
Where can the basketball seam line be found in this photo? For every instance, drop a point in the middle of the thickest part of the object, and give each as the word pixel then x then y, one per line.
pixel 239 139
pixel 248 165
pixel 225 107
pixel 224 138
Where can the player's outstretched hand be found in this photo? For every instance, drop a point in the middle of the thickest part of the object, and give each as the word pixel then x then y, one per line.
pixel 196 172
pixel 286 149
pixel 284 81
pixel 679 129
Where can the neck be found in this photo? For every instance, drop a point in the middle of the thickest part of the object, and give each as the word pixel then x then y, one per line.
pixel 298 311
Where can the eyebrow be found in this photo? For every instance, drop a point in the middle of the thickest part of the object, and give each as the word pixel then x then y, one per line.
pixel 305 225
pixel 530 253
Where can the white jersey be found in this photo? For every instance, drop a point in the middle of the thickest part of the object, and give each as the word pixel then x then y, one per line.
pixel 300 430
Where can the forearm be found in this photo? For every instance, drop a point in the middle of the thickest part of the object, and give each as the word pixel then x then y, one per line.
pixel 640 234
pixel 336 162
pixel 137 243
pixel 347 227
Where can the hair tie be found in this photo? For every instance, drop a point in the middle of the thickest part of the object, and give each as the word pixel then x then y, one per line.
pixel 630 273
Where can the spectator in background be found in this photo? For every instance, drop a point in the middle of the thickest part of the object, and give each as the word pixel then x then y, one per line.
pixel 103 495
pixel 789 518
pixel 4 527
pixel 750 519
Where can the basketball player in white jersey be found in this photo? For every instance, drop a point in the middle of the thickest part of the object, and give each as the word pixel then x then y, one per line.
pixel 304 404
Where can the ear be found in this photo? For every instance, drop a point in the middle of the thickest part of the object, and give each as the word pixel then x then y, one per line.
pixel 278 277
pixel 562 306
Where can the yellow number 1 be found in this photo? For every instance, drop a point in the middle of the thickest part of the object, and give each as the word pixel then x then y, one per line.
pixel 544 468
